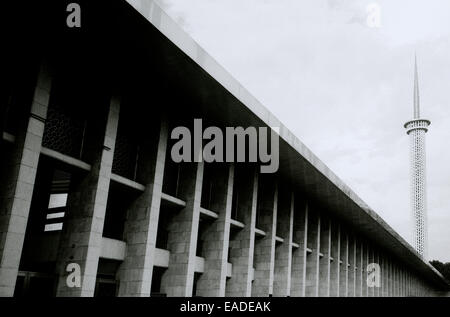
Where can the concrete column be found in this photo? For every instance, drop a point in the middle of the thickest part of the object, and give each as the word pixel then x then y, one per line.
pixel 365 260
pixel 242 244
pixel 85 213
pixel 408 290
pixel 391 279
pixel 405 290
pixel 359 278
pixel 371 259
pixel 343 285
pixel 16 188
pixel 388 277
pixel 300 236
pixel 178 280
pixel 383 275
pixel 336 255
pixel 395 279
pixel 264 257
pixel 325 259
pixel 380 262
pixel 401 283
pixel 312 259
pixel 409 283
pixel 351 267
pixel 377 260
pixel 283 252
pixel 141 226
pixel 216 242
pixel 406 284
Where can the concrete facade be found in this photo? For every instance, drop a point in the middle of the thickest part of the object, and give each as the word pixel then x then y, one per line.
pixel 137 223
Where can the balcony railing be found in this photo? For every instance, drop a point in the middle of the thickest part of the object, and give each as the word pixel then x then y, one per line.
pixel 64 133
pixel 126 156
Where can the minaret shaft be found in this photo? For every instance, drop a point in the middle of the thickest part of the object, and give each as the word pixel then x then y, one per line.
pixel 416 130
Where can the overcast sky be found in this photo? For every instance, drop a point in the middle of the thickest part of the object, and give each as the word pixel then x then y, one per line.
pixel 344 88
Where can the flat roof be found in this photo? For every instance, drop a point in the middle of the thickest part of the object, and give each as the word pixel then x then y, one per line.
pixel 304 166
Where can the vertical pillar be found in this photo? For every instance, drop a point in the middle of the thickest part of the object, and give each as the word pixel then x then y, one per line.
pixel 86 206
pixel 383 275
pixel 402 287
pixel 380 262
pixel 351 267
pixel 395 279
pixel 408 289
pixel 212 282
pixel 387 284
pixel 312 260
pixel 300 236
pixel 343 285
pixel 391 279
pixel 365 260
pixel 141 225
pixel 16 188
pixel 325 259
pixel 388 277
pixel 359 272
pixel 409 283
pixel 377 261
pixel 178 280
pixel 336 255
pixel 406 283
pixel 242 245
pixel 371 260
pixel 264 258
pixel 283 256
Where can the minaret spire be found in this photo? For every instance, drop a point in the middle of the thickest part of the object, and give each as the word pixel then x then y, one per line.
pixel 416 90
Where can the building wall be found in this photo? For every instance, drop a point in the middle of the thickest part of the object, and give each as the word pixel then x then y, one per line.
pixel 273 240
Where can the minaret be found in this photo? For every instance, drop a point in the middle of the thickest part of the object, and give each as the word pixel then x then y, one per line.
pixel 416 129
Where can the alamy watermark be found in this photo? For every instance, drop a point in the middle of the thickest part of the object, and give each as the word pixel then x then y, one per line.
pixel 236 144
pixel 373 275
pixel 74 277
pixel 73 19
pixel 373 15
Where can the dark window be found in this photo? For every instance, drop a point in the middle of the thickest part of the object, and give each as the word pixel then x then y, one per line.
pixel 171 176
pixel 207 187
pixel 156 281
